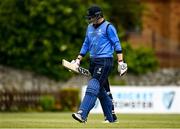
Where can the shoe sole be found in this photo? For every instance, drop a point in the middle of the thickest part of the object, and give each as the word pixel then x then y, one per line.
pixel 106 121
pixel 116 122
pixel 76 118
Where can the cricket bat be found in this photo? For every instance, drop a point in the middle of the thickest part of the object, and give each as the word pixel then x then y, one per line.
pixel 75 69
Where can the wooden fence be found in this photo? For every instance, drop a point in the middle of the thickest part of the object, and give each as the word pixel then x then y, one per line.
pixel 22 100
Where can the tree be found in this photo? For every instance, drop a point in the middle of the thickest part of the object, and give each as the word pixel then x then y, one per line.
pixel 37 34
pixel 126 15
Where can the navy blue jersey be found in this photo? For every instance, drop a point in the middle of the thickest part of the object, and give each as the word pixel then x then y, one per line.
pixel 101 41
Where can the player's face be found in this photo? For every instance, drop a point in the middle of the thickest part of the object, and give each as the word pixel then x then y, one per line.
pixel 92 20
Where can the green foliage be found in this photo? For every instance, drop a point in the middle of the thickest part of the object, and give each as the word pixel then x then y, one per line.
pixel 47 102
pixel 126 13
pixel 37 34
pixel 69 99
pixel 140 60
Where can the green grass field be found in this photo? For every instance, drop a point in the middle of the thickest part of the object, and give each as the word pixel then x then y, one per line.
pixel 64 120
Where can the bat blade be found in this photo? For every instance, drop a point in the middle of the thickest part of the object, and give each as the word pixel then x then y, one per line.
pixel 74 68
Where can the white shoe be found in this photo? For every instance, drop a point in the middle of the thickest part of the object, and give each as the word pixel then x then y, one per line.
pixel 78 117
pixel 106 121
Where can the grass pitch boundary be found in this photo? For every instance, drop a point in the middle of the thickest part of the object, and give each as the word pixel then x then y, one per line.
pixel 56 120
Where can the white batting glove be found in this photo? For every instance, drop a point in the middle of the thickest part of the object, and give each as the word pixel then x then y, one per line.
pixel 76 62
pixel 122 68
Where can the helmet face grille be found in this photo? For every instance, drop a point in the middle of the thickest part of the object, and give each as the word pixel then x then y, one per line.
pixel 94 11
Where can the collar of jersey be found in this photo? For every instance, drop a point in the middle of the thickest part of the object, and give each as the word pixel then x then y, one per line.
pixel 97 25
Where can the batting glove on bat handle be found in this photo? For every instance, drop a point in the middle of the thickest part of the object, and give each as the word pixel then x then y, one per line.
pixel 122 68
pixel 76 62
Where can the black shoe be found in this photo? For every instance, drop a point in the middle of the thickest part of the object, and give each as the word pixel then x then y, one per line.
pixel 114 117
pixel 78 117
pixel 115 120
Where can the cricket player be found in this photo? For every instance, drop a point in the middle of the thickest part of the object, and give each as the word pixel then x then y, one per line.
pixel 101 41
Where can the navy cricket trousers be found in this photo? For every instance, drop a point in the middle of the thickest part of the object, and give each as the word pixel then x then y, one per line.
pixel 100 68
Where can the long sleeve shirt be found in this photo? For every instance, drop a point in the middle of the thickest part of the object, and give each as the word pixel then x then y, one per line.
pixel 101 41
